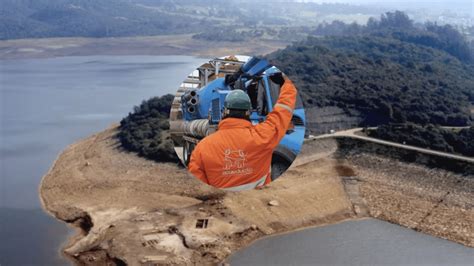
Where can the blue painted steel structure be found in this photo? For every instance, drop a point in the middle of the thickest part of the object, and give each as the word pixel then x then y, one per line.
pixel 254 76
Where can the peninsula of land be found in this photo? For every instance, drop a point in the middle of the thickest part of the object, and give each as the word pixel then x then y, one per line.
pixel 135 211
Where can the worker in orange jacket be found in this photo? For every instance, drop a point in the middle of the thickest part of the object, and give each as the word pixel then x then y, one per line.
pixel 238 155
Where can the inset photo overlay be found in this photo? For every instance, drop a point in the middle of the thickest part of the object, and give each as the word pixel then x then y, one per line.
pixel 237 122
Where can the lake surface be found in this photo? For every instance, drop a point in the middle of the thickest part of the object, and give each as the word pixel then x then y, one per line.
pixel 47 104
pixel 361 242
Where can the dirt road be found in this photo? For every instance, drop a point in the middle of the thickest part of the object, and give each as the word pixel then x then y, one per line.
pixel 354 133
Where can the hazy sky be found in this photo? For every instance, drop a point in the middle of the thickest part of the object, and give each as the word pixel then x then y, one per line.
pixel 447 2
pixel 464 6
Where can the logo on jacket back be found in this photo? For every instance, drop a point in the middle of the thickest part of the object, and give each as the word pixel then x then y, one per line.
pixel 234 163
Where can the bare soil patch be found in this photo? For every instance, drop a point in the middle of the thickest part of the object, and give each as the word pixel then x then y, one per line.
pixel 135 211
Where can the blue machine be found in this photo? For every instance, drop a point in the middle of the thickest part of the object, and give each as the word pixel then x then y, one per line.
pixel 203 108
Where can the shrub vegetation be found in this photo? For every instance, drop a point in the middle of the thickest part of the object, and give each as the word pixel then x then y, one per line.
pixel 145 130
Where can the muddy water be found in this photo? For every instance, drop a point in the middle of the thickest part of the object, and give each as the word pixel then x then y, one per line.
pixel 47 104
pixel 362 242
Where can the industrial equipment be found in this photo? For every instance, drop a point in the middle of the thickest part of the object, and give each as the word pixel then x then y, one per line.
pixel 200 105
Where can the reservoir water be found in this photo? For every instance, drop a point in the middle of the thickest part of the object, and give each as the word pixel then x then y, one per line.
pixel 47 104
pixel 361 242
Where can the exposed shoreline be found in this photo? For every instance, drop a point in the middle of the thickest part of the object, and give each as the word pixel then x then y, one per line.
pixel 146 45
pixel 117 197
pixel 77 230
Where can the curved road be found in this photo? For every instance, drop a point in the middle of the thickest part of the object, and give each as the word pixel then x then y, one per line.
pixel 352 134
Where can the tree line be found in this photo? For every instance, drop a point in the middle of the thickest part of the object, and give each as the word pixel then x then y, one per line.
pixel 398 25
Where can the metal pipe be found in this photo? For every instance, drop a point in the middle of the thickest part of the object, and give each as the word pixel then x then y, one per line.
pixel 197 128
pixel 193 101
pixel 189 94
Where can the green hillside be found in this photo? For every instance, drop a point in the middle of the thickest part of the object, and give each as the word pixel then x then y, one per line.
pixel 385 79
pixel 86 18
pixel 114 18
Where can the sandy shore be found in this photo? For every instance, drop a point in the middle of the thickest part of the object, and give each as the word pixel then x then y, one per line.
pixel 150 45
pixel 137 211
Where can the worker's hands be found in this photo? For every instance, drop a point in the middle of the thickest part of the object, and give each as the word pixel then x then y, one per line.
pixel 278 78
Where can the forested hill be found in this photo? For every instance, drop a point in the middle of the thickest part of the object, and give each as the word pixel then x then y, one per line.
pixel 114 18
pixel 91 18
pixel 385 78
pixel 399 26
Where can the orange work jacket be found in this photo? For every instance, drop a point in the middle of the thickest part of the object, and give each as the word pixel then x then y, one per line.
pixel 238 155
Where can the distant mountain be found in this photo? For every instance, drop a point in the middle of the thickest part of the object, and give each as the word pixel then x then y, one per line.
pixel 87 18
pixel 106 18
